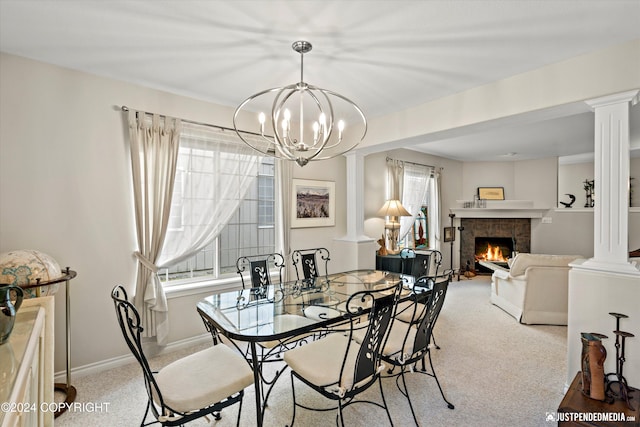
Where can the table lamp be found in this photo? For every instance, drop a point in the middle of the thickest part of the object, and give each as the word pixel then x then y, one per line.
pixel 393 209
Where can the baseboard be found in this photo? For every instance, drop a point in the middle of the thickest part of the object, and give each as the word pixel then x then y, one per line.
pixel 115 362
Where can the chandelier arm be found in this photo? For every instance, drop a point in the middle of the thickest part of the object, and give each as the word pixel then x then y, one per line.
pixel 241 106
pixel 266 151
pixel 325 135
pixel 360 113
pixel 276 108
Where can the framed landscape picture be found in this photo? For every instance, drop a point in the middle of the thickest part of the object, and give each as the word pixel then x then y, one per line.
pixel 491 193
pixel 313 203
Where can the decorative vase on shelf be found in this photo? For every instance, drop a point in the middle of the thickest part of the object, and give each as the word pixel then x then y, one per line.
pixel 593 357
pixel 8 309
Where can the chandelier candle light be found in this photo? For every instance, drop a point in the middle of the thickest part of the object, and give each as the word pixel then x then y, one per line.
pixel 393 209
pixel 303 120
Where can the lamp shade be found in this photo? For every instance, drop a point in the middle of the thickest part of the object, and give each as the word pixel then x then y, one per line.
pixel 393 208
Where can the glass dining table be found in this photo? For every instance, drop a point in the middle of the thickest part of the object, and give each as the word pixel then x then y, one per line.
pixel 280 314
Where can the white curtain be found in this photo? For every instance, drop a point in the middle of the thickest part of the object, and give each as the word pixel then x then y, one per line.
pixel 284 186
pixel 415 187
pixel 215 169
pixel 154 152
pixel 395 170
pixel 434 211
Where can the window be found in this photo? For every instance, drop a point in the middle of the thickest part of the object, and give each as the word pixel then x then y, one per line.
pixel 250 228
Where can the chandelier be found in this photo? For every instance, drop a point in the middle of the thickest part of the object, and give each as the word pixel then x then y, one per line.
pixel 307 122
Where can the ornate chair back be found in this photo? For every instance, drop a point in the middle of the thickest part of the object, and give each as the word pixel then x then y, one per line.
pixel 256 270
pixel 310 263
pixel 407 257
pixel 431 312
pixel 129 321
pixel 408 342
pixel 368 361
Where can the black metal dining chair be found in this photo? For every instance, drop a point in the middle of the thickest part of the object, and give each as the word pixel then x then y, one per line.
pixel 423 265
pixel 256 271
pixel 257 274
pixel 310 263
pixel 409 343
pixel 201 384
pixel 337 366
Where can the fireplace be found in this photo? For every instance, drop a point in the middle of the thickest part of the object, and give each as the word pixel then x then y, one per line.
pixel 508 234
pixel 494 249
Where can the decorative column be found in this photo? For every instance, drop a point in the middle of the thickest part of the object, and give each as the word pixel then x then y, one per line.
pixel 611 210
pixel 355 248
pixel 355 197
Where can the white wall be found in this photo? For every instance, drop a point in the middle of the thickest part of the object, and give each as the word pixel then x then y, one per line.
pixel 65 189
pixel 592 297
pixel 580 224
pixel 533 180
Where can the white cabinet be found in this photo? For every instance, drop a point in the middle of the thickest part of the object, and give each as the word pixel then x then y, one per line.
pixel 26 366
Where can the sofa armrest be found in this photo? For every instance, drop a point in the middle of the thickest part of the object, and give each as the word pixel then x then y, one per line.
pixel 501 274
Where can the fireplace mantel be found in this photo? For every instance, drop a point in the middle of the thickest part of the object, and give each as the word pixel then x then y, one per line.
pixel 501 209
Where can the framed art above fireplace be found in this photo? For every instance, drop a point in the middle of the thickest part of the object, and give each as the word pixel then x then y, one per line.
pixel 491 193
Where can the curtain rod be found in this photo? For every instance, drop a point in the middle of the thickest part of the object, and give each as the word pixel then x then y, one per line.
pixel 412 163
pixel 124 108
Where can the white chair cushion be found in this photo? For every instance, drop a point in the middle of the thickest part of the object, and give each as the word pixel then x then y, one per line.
pixel 203 378
pixel 319 312
pixel 393 346
pixel 319 362
pixel 405 311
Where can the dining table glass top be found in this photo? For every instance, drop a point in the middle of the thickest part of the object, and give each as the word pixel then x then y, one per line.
pixel 279 311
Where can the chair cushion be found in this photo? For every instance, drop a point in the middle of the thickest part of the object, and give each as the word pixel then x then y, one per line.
pixel 203 378
pixel 405 311
pixel 319 312
pixel 394 345
pixel 320 362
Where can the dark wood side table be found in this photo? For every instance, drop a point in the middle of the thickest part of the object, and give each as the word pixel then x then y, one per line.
pixel 576 404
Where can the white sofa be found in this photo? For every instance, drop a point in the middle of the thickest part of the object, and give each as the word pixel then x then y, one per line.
pixel 535 288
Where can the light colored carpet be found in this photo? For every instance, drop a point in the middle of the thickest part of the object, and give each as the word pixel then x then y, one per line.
pixel 495 371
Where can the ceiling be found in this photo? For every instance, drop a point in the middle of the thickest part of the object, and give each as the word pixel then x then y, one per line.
pixel 387 56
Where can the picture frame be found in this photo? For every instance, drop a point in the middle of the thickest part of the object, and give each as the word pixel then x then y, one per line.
pixel 449 234
pixel 491 193
pixel 313 203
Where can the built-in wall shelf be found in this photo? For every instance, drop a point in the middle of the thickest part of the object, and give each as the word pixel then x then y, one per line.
pixel 569 210
pixel 500 209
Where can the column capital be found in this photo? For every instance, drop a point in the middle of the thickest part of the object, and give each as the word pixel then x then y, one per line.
pixel 617 98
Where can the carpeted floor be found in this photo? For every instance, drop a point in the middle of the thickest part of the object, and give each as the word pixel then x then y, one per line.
pixel 495 371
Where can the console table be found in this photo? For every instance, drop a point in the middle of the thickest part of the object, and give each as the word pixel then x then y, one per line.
pixel 575 402
pixel 26 366
pixel 392 264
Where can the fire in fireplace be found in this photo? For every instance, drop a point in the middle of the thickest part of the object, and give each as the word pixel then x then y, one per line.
pixel 494 249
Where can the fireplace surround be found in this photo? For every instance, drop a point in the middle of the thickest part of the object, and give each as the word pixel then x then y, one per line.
pixel 510 234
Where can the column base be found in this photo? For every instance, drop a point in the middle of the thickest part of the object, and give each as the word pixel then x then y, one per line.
pixel 592 264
